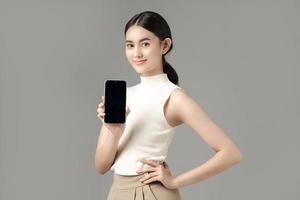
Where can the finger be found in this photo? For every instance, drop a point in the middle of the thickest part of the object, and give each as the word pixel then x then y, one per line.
pixel 146 169
pixel 101 117
pixel 101 100
pixel 150 162
pixel 100 111
pixel 150 180
pixel 101 104
pixel 127 110
pixel 100 107
pixel 147 176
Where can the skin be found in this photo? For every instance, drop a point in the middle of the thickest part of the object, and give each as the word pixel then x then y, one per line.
pixel 179 108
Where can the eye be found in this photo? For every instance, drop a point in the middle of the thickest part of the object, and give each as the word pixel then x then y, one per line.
pixel 129 45
pixel 146 44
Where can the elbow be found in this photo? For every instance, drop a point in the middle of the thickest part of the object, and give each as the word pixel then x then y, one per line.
pixel 103 172
pixel 101 169
pixel 233 154
pixel 236 155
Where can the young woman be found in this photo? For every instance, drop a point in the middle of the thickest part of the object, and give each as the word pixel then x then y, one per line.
pixel 137 150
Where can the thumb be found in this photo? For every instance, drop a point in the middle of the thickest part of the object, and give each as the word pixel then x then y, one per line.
pixel 127 110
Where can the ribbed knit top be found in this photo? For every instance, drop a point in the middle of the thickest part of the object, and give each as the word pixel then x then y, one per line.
pixel 147 133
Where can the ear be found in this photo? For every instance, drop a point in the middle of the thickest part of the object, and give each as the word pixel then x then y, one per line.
pixel 166 44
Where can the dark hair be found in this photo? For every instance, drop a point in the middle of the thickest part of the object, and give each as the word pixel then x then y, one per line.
pixel 156 24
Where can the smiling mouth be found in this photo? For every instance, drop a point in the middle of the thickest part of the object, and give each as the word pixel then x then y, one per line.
pixel 140 62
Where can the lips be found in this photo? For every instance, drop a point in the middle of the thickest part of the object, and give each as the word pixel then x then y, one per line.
pixel 138 62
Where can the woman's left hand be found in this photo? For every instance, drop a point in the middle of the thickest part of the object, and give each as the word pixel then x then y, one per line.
pixel 157 172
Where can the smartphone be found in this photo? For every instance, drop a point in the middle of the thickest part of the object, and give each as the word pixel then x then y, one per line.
pixel 115 101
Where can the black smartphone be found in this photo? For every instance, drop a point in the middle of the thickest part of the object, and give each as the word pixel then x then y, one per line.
pixel 115 101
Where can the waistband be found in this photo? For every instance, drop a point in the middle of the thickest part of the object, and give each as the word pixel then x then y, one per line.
pixel 123 182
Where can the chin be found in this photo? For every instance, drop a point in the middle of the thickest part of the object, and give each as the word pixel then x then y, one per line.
pixel 140 69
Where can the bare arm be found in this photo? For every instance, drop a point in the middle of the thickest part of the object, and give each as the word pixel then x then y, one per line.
pixel 106 150
pixel 108 140
pixel 186 110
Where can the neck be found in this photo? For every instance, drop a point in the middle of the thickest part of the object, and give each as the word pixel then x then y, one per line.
pixel 153 80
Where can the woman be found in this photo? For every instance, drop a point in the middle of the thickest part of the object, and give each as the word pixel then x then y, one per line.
pixel 137 150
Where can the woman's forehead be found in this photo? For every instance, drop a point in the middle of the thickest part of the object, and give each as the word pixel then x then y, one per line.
pixel 138 33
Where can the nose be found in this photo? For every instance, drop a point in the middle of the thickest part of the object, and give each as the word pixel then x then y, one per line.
pixel 137 52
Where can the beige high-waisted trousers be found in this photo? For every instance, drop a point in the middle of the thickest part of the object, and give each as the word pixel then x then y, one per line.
pixel 130 188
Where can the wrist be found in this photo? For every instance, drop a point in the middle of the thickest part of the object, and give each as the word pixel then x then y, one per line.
pixel 115 134
pixel 176 182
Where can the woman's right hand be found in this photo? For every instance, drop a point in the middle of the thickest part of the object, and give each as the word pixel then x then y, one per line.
pixel 115 128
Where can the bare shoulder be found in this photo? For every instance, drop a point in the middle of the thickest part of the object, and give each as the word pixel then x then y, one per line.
pixel 183 108
pixel 177 98
pixel 179 95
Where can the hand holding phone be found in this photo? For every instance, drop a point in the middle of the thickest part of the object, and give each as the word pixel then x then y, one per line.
pixel 112 110
pixel 115 98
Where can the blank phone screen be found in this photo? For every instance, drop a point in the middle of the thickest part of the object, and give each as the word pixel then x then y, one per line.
pixel 115 101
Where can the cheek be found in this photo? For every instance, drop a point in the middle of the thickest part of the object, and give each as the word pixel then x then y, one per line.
pixel 127 53
pixel 155 56
pixel 156 51
pixel 152 53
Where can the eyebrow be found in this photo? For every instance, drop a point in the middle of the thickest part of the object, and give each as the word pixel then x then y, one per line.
pixel 141 40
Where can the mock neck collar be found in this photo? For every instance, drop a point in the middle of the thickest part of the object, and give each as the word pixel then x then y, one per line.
pixel 154 80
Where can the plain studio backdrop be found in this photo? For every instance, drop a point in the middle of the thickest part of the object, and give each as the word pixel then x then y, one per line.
pixel 238 59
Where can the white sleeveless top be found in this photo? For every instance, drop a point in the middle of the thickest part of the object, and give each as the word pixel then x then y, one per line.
pixel 147 134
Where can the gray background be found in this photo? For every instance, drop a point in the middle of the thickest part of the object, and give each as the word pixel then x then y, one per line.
pixel 238 59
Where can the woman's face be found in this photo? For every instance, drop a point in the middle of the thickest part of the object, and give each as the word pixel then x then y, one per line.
pixel 144 51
